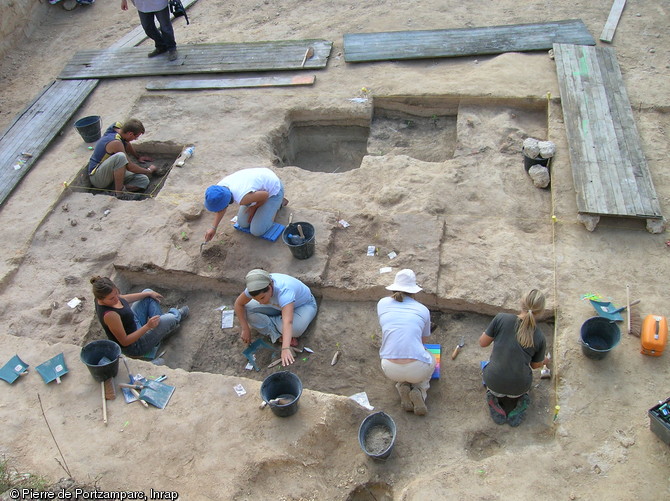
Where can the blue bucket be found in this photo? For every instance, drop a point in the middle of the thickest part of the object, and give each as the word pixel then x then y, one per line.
pixel 89 128
pixel 598 337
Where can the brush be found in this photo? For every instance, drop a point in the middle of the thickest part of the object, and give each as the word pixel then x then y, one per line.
pixel 634 318
pixel 545 372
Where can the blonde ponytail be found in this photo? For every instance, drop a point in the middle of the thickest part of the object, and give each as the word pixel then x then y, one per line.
pixel 531 305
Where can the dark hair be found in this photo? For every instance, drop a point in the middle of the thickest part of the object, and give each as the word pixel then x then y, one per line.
pixel 260 291
pixel 133 125
pixel 399 295
pixel 102 287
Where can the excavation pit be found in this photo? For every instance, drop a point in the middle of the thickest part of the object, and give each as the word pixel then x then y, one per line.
pixel 163 154
pixel 317 147
pixel 430 129
pixel 350 327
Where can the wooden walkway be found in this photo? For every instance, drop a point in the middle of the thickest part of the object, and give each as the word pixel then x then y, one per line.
pixel 360 47
pixel 201 58
pixel 231 83
pixel 609 169
pixel 32 130
pixel 26 138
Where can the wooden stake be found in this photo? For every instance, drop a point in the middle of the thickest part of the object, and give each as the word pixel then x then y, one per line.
pixel 104 403
pixel 628 307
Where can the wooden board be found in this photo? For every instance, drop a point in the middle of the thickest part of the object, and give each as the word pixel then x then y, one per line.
pixel 38 124
pixel 34 128
pixel 612 21
pixel 609 169
pixel 362 47
pixel 201 58
pixel 231 83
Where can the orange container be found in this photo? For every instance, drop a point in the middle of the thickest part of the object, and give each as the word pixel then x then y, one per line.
pixel 654 335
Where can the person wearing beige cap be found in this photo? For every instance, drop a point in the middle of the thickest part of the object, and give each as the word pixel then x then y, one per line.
pixel 276 305
pixel 405 327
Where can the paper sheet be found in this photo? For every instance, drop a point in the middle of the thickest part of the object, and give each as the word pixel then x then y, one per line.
pixel 227 317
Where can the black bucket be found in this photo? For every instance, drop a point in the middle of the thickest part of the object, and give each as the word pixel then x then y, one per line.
pixel 598 336
pixel 529 162
pixel 102 359
pixel 301 248
pixel 282 385
pixel 89 128
pixel 376 435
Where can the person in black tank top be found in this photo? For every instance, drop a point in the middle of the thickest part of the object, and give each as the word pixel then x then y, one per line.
pixel 134 321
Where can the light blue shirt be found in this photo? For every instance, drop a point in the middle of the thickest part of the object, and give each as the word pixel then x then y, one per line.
pixel 403 324
pixel 150 5
pixel 286 290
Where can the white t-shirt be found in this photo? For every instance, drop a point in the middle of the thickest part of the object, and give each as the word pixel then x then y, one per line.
pixel 403 325
pixel 248 180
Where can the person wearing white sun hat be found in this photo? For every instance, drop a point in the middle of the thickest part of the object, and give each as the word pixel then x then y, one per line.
pixel 405 325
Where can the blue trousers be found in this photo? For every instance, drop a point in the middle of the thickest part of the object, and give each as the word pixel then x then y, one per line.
pixel 144 309
pixel 164 39
pixel 264 217
pixel 267 320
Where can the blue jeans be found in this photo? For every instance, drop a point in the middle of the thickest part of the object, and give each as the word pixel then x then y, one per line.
pixel 267 320
pixel 264 217
pixel 144 309
pixel 164 39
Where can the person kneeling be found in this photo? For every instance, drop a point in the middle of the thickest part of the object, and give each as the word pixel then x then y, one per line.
pixel 277 306
pixel 405 327
pixel 518 347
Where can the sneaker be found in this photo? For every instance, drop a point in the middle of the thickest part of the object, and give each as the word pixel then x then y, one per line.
pixel 498 414
pixel 156 52
pixel 516 415
pixel 183 311
pixel 172 55
pixel 416 397
pixel 405 401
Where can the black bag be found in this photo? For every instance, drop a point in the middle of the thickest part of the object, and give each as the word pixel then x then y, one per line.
pixel 177 9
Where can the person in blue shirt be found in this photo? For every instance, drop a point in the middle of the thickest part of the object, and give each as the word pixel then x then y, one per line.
pixel 276 305
pixel 405 325
pixel 110 165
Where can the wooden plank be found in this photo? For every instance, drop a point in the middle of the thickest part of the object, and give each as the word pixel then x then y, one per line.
pixel 137 35
pixel 612 21
pixel 37 125
pixel 34 128
pixel 360 47
pixel 231 83
pixel 637 172
pixel 568 79
pixel 199 58
pixel 610 173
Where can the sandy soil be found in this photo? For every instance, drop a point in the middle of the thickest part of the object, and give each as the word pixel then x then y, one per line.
pixel 440 182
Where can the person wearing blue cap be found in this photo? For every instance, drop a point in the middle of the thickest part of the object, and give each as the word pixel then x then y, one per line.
pixel 258 191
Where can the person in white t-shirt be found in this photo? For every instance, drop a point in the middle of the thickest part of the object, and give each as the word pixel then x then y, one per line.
pixel 405 327
pixel 258 191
